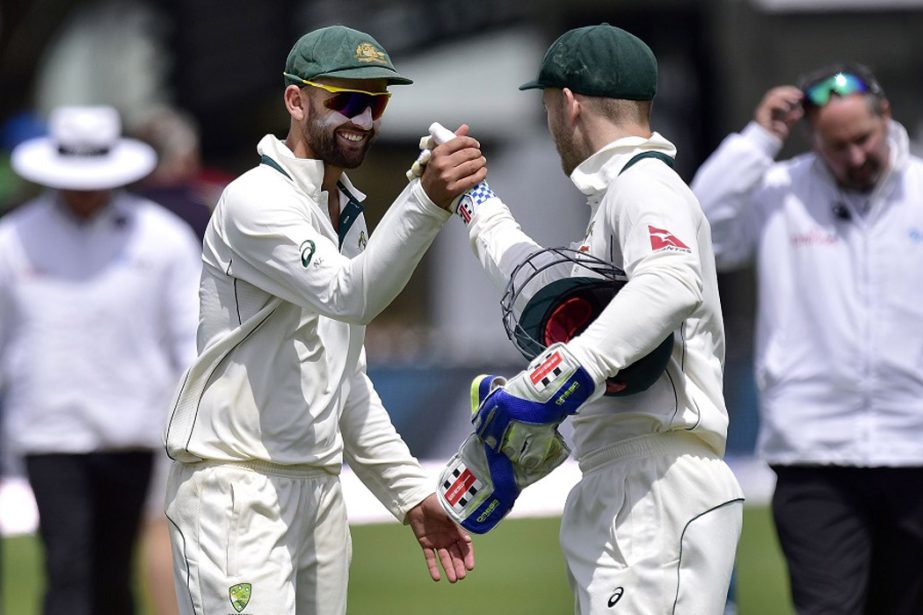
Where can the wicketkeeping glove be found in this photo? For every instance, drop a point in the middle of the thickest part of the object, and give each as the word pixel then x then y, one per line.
pixel 516 441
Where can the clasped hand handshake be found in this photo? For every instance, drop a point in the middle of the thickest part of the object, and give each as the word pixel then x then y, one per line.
pixel 449 164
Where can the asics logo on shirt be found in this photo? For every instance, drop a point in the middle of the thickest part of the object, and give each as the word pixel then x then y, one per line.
pixel 615 597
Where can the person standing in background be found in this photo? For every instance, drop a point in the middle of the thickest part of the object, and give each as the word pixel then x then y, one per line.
pixel 97 320
pixel 837 237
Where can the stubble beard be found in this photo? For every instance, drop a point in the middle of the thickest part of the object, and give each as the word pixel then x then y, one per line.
pixel 323 142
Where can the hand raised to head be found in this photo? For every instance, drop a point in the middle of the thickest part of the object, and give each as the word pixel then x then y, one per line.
pixel 779 110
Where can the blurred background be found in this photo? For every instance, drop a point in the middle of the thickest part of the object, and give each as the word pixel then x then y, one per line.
pixel 219 63
pixel 213 70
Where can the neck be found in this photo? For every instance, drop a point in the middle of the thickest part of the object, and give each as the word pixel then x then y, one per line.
pixel 300 148
pixel 602 133
pixel 331 177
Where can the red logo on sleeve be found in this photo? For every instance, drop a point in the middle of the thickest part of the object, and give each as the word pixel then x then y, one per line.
pixel 662 238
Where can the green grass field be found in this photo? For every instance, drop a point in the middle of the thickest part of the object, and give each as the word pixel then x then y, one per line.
pixel 519 571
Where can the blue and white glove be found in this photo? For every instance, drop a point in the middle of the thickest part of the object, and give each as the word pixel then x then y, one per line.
pixel 464 204
pixel 516 441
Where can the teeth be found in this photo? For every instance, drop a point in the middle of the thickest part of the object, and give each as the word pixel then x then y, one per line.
pixel 349 136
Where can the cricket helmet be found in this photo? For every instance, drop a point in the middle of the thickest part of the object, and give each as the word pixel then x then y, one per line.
pixel 555 294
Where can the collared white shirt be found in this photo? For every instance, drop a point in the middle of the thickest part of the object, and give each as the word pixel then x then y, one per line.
pixel 281 373
pixel 839 341
pixel 648 223
pixel 97 321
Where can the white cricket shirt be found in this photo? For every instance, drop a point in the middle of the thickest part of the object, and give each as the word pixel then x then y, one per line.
pixel 97 321
pixel 647 222
pixel 281 374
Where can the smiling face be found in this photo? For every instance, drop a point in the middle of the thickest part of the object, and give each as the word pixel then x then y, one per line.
pixel 338 140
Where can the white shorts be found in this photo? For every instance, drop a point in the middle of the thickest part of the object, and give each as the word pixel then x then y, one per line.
pixel 258 538
pixel 652 528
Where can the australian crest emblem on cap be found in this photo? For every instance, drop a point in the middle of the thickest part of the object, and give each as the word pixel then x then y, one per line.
pixel 367 52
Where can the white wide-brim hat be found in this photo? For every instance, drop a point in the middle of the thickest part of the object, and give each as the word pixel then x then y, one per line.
pixel 84 151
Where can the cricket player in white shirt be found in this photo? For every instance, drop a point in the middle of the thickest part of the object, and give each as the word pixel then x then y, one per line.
pixel 279 395
pixel 652 526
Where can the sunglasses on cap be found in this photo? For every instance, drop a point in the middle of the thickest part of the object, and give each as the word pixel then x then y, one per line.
pixel 819 92
pixel 348 101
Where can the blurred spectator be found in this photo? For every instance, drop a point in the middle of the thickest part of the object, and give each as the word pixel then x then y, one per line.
pixel 837 235
pixel 98 292
pixel 178 181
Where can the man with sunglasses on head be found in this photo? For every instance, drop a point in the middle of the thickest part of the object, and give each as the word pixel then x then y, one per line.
pixel 837 237
pixel 279 395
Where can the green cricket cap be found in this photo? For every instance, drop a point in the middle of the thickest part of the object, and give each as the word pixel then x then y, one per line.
pixel 338 51
pixel 599 60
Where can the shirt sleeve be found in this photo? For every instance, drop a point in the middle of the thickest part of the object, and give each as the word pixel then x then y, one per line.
pixel 182 304
pixel 725 184
pixel 498 241
pixel 660 235
pixel 376 452
pixel 277 248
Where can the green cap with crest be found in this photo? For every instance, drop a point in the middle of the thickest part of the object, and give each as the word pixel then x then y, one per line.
pixel 340 52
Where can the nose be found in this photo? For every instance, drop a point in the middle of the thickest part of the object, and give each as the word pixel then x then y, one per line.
pixel 855 155
pixel 364 119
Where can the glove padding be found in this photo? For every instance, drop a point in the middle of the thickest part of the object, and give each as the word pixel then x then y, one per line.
pixel 516 441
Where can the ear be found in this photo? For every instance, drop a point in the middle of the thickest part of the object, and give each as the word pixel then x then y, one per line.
pixel 572 106
pixel 885 109
pixel 295 102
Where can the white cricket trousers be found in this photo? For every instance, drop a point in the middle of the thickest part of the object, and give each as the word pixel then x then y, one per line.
pixel 258 538
pixel 652 529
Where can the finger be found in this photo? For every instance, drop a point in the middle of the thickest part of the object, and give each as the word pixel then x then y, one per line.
pixel 427 142
pixel 467 181
pixel 448 565
pixel 462 130
pixel 459 164
pixel 457 144
pixel 461 569
pixel 431 564
pixel 468 553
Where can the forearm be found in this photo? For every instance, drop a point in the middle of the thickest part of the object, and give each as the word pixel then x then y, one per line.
pixel 725 184
pixel 377 454
pixel 498 242
pixel 396 247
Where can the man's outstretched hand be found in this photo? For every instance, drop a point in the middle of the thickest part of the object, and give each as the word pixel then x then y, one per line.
pixel 442 541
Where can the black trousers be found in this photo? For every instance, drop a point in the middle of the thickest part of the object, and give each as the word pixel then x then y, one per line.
pixel 852 538
pixel 90 507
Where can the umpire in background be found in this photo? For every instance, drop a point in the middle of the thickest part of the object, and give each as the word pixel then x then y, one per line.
pixel 97 319
pixel 837 236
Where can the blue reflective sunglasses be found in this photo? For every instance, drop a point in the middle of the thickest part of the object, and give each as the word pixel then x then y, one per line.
pixel 841 84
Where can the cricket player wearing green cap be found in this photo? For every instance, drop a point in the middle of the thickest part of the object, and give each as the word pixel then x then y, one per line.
pixel 653 524
pixel 279 395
